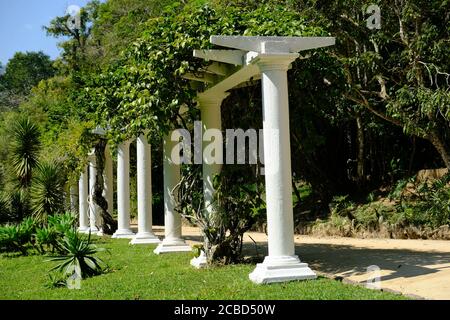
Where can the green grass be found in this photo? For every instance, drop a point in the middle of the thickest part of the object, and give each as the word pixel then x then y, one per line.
pixel 137 273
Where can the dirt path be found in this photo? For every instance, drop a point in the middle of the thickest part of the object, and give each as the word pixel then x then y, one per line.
pixel 414 267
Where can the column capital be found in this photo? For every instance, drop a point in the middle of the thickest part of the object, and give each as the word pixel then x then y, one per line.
pixel 212 100
pixel 275 61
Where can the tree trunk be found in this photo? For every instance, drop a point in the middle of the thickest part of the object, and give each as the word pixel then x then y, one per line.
pixel 441 147
pixel 360 160
pixel 109 225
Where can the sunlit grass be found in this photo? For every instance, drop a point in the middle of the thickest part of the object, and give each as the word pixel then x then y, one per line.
pixel 137 273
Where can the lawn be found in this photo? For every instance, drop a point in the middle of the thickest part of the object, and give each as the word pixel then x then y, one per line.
pixel 137 273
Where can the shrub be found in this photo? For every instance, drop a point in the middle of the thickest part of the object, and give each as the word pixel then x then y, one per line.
pixel 46 239
pixel 47 191
pixel 14 238
pixel 78 256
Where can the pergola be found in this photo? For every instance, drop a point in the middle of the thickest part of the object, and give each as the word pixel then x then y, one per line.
pixel 268 58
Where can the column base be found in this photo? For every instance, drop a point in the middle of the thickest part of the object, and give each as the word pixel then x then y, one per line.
pixel 145 238
pixel 200 262
pixel 172 245
pixel 83 229
pixel 281 269
pixel 123 234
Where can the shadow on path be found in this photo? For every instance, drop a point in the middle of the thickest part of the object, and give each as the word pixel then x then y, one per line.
pixel 350 261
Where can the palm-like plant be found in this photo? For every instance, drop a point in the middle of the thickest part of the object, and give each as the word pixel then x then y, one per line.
pixel 47 191
pixel 24 150
pixel 78 256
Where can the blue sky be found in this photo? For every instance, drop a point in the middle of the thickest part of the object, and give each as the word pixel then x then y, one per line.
pixel 21 24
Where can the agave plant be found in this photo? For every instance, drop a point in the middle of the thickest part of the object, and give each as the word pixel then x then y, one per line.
pixel 46 239
pixel 17 237
pixel 78 256
pixel 62 223
pixel 24 150
pixel 47 191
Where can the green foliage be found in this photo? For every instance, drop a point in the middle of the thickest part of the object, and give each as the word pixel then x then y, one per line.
pixel 78 256
pixel 145 89
pixel 25 70
pixel 46 239
pixel 25 150
pixel 58 226
pixel 47 192
pixel 17 237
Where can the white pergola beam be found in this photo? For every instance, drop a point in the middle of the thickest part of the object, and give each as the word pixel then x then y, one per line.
pixel 244 74
pixel 201 77
pixel 220 69
pixel 235 57
pixel 272 44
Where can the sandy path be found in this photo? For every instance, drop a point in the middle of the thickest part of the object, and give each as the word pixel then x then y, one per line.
pixel 414 267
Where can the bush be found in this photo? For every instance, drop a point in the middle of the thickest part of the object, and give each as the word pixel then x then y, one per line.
pixel 78 256
pixel 29 233
pixel 15 238
pixel 47 191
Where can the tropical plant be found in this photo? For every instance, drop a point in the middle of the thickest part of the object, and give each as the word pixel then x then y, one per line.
pixel 46 239
pixel 47 191
pixel 17 237
pixel 25 150
pixel 78 256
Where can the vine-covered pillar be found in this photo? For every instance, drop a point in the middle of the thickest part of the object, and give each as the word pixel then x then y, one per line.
pixel 83 206
pixel 211 166
pixel 281 264
pixel 123 192
pixel 173 241
pixel 93 213
pixel 108 180
pixel 144 192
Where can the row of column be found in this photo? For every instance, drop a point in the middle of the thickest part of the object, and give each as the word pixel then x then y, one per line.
pixel 281 264
pixel 89 214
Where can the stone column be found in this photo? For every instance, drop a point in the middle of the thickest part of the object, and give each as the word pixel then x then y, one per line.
pixel 173 242
pixel 108 180
pixel 144 189
pixel 83 205
pixel 281 264
pixel 93 212
pixel 211 119
pixel 123 192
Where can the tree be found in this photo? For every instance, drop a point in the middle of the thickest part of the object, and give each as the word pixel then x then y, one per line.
pixel 24 151
pixel 25 70
pixel 74 49
pixel 399 73
pixel 47 191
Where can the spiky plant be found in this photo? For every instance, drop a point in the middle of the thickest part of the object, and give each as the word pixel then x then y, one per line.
pixel 24 150
pixel 78 255
pixel 47 191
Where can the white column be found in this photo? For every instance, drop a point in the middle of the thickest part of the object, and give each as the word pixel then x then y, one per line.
pixel 123 192
pixel 281 264
pixel 173 242
pixel 93 212
pixel 83 206
pixel 108 180
pixel 211 119
pixel 145 234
